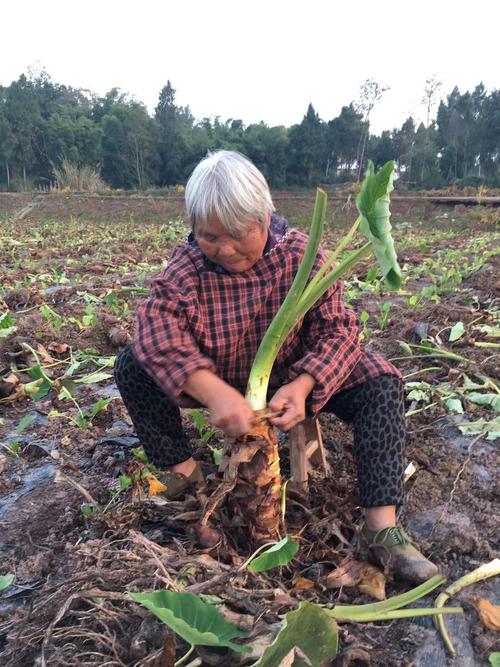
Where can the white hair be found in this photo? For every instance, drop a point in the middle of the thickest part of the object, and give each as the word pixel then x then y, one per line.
pixel 229 187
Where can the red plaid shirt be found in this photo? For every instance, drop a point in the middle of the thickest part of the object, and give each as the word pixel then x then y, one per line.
pixel 199 317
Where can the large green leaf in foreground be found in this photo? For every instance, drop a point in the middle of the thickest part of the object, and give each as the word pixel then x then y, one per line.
pixel 197 623
pixel 373 205
pixel 311 629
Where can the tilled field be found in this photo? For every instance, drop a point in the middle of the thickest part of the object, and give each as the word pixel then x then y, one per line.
pixel 76 537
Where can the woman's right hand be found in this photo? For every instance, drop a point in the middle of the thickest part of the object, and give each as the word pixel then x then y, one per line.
pixel 227 407
pixel 229 411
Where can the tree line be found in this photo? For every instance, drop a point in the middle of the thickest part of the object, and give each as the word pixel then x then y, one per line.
pixel 43 124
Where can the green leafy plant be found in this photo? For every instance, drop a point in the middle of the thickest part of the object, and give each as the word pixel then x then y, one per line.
pixel 206 433
pixel 85 417
pixel 15 444
pixel 364 318
pixel 263 517
pixel 52 317
pixel 312 630
pixel 198 623
pixel 276 554
pixel 383 316
pixel 6 325
pixel 6 580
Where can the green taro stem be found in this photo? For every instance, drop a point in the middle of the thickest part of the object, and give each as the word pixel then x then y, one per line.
pixel 260 373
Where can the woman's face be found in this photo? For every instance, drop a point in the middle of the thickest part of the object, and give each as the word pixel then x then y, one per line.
pixel 237 252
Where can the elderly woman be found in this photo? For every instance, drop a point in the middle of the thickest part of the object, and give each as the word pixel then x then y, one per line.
pixel 199 330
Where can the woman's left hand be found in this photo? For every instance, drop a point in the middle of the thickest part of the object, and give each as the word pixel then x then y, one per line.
pixel 290 400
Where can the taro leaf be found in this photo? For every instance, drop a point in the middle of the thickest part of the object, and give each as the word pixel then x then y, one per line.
pixel 99 406
pixel 457 331
pixel 454 405
pixel 198 623
pixel 44 384
pixel 490 428
pixel 494 659
pixel 470 384
pixel 418 395
pixel 278 554
pixel 311 629
pixel 6 321
pixel 198 418
pixel 406 348
pixel 490 400
pixel 6 325
pixel 25 423
pixel 5 581
pixel 94 378
pixel 217 453
pixel 373 204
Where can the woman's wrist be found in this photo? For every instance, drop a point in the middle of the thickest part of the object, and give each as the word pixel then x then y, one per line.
pixel 305 383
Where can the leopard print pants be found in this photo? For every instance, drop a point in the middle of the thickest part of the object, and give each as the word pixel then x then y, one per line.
pixel 375 409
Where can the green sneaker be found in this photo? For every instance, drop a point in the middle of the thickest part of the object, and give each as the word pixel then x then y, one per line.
pixel 393 549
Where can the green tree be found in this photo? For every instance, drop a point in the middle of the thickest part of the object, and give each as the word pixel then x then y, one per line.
pixel 129 142
pixel 307 150
pixel 343 137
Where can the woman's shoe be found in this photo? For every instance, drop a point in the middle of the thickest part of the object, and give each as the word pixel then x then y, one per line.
pixel 176 483
pixel 392 548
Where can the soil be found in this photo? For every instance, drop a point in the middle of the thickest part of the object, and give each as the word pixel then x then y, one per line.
pixel 68 605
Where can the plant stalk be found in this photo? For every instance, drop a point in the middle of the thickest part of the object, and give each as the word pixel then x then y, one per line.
pixel 260 373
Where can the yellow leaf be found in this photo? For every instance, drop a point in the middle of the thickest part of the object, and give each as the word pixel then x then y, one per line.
pixel 489 613
pixel 155 486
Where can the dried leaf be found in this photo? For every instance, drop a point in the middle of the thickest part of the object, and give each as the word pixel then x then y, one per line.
pixel 44 355
pixel 58 348
pixel 366 577
pixel 283 598
pixel 16 395
pixel 489 613
pixel 167 657
pixel 302 584
pixel 290 658
pixel 155 486
pixel 7 384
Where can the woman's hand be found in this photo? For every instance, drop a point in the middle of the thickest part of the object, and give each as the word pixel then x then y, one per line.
pixel 290 400
pixel 227 407
pixel 230 412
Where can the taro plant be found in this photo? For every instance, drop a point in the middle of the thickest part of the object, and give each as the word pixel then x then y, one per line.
pixel 205 433
pixel 14 445
pixel 309 632
pixel 84 417
pixel 245 474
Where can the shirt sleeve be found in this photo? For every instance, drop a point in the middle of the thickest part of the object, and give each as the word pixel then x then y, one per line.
pixel 330 341
pixel 163 343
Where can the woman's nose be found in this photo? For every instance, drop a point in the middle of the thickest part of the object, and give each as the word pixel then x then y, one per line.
pixel 225 250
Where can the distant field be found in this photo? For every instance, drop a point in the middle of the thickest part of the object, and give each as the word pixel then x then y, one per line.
pixel 296 207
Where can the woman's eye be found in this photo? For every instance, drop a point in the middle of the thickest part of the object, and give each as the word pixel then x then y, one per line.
pixel 209 237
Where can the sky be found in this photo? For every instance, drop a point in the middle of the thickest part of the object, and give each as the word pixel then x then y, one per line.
pixel 258 60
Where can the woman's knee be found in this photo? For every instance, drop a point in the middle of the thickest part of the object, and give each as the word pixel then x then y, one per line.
pixel 127 369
